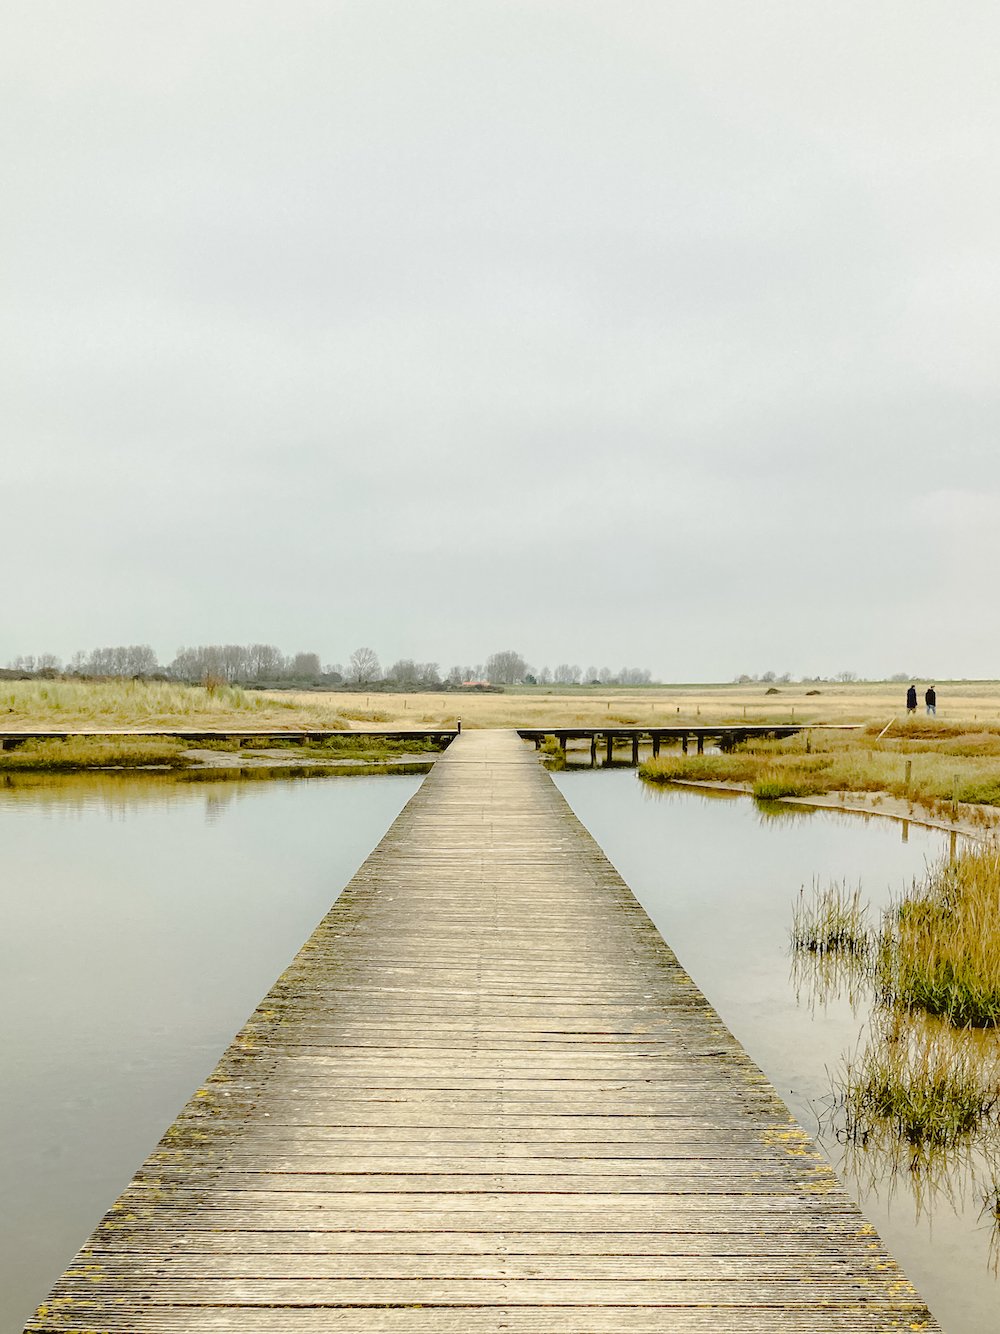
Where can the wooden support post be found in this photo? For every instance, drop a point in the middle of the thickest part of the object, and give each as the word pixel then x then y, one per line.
pixel 909 771
pixel 538 743
pixel 593 750
pixel 684 743
pixel 561 738
pixel 611 741
pixel 701 744
pixel 656 744
pixel 635 748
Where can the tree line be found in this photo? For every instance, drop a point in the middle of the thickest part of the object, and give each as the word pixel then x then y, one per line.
pixel 265 664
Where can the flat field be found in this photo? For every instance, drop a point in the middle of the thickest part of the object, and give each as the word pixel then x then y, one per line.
pixel 114 705
pixel 966 702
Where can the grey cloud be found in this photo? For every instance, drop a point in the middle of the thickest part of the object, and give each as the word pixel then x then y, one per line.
pixel 659 334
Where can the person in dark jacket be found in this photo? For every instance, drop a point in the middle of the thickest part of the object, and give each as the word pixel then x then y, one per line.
pixel 930 699
pixel 911 699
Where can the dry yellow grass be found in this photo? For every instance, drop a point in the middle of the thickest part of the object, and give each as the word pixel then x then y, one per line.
pixel 62 704
pixel 932 771
pixel 117 705
pixel 566 707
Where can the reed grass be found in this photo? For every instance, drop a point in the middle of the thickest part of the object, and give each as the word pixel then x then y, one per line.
pixel 123 752
pixel 963 769
pixel 921 1085
pixel 833 919
pixel 940 946
pixel 102 752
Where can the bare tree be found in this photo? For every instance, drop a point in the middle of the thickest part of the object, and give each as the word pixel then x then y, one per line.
pixel 123 660
pixel 566 674
pixel 403 672
pixel 846 676
pixel 364 666
pixel 505 668
pixel 265 661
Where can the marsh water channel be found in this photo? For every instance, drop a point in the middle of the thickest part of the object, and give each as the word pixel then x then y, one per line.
pixel 144 917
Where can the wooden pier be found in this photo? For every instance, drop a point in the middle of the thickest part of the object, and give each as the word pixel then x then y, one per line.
pixel 726 735
pixel 11 738
pixel 484 1097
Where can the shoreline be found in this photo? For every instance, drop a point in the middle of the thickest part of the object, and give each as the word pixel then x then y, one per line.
pixel 859 803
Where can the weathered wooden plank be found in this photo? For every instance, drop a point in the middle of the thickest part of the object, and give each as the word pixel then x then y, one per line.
pixel 484 1097
pixel 412 1243
pixel 186 1265
pixel 856 1318
pixel 245 1291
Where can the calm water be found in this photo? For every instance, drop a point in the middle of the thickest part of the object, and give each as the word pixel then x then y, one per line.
pixel 143 920
pixel 718 877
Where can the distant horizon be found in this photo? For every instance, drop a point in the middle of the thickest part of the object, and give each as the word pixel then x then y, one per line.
pixel 63 667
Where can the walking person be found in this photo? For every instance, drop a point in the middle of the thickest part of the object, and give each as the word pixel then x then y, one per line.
pixel 911 698
pixel 930 699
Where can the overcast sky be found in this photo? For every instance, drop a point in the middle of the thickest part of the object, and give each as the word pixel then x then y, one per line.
pixel 663 334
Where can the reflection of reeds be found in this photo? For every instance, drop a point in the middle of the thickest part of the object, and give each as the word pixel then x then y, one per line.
pixel 820 977
pixel 940 946
pixel 919 1113
pixel 831 944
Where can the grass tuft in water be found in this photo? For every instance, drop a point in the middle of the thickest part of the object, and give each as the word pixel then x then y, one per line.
pixel 921 1085
pixel 832 919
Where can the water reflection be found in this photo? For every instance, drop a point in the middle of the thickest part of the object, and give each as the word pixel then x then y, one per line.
pixel 142 917
pixel 719 877
pixel 916 1107
pixel 819 978
pixel 124 790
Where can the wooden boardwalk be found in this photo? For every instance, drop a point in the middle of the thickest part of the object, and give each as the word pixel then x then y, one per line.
pixel 484 1097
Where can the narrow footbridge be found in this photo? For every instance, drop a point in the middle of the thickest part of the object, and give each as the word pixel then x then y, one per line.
pixel 726 735
pixel 484 1097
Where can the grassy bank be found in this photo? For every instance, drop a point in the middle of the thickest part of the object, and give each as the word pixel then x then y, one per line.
pixel 119 704
pixel 926 763
pixel 125 752
pixel 939 951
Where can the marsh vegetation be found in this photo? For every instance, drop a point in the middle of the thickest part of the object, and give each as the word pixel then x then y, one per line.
pixel 935 766
pixel 922 1096
pixel 165 752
